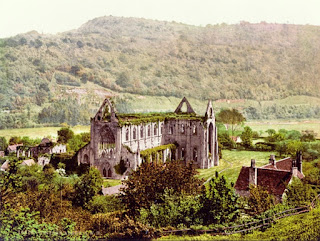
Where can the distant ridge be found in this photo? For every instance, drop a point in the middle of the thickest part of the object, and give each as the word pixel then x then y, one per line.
pixel 147 57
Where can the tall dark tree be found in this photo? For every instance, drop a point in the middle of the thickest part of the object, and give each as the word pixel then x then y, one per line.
pixel 220 203
pixel 87 187
pixel 147 185
pixel 65 134
pixel 231 117
pixel 246 137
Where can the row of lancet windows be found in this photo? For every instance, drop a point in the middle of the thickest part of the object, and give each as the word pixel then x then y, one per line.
pixel 183 129
pixel 135 134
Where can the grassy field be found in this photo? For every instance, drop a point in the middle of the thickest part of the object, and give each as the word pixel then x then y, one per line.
pixel 40 132
pixel 283 124
pixel 232 162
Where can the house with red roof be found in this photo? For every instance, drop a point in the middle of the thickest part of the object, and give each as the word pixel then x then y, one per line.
pixel 275 176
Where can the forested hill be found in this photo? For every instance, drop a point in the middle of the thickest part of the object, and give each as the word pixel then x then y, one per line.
pixel 129 55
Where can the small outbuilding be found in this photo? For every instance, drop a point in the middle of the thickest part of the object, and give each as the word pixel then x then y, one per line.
pixel 274 177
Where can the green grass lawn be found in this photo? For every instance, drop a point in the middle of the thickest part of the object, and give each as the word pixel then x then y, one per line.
pixel 111 182
pixel 232 161
pixel 40 132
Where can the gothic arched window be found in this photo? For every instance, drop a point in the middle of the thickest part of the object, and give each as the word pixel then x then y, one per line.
pixel 155 130
pixel 134 133
pixel 141 132
pixel 194 130
pixel 149 130
pixel 183 129
pixel 127 134
pixel 195 154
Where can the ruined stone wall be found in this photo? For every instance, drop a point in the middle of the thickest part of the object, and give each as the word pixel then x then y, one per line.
pixel 189 135
pixel 144 136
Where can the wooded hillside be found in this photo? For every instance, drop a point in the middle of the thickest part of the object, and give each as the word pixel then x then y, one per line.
pixel 109 55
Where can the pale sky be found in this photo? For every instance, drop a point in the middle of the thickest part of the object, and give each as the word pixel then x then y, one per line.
pixel 52 16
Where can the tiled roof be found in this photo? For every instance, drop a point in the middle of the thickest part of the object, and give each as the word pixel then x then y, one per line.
pixel 284 164
pixel 274 181
pixel 274 178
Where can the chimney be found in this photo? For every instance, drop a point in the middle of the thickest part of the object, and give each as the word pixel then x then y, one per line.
pixel 299 161
pixel 253 163
pixel 253 173
pixel 272 160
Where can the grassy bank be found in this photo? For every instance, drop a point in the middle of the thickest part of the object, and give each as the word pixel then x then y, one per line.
pixel 300 227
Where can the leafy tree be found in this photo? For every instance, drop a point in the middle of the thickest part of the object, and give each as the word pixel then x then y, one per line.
pixel 282 147
pixel 176 211
pixel 65 134
pixel 78 141
pixel 14 140
pixel 308 135
pixel 225 140
pixel 148 184
pixel 10 182
pixel 259 200
pixel 3 143
pixel 299 194
pixel 246 137
pixel 104 204
pixel 293 147
pixel 220 203
pixel 87 187
pixel 23 225
pixel 232 117
pixel 271 132
pixel 293 135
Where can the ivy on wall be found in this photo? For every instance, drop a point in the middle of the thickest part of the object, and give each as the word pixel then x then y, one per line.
pixel 156 152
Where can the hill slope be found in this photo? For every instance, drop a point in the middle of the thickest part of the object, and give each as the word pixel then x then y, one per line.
pixel 260 62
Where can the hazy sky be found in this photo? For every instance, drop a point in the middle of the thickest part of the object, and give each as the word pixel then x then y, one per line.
pixel 52 16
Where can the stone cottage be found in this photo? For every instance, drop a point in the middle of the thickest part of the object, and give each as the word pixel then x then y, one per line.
pixel 124 141
pixel 274 176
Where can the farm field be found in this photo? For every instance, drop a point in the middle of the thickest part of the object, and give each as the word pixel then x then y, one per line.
pixel 301 125
pixel 232 161
pixel 40 132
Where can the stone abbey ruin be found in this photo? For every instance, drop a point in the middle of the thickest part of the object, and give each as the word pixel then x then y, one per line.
pixel 121 142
